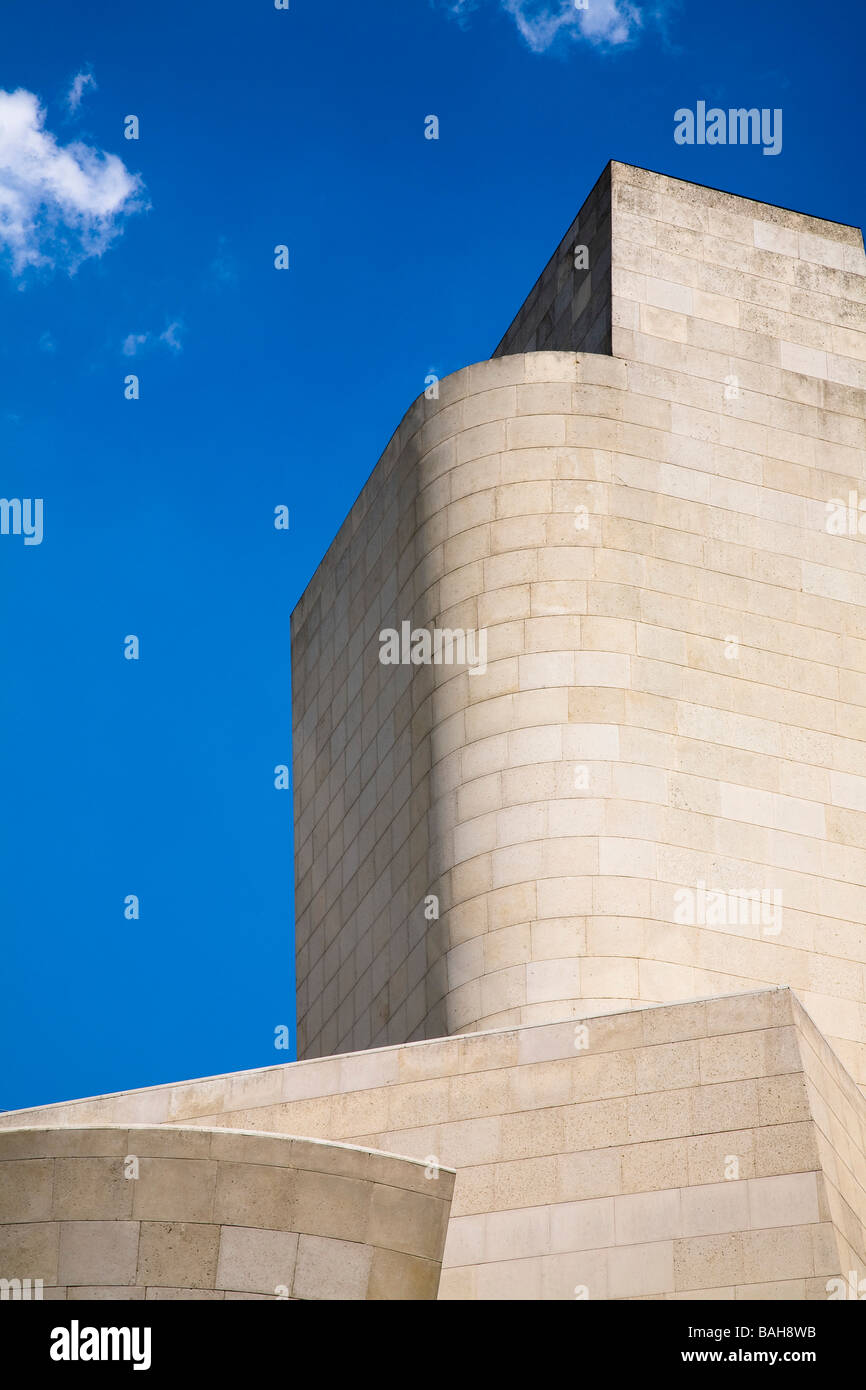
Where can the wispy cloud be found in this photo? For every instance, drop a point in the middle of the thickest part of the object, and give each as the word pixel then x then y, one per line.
pixel 134 343
pixel 76 91
pixel 59 204
pixel 462 9
pixel 170 338
pixel 223 270
pixel 47 343
pixel 604 23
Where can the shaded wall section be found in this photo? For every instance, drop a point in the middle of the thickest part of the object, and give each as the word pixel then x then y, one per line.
pixel 569 306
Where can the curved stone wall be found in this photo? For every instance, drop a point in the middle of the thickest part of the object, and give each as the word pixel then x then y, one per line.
pixel 183 1213
pixel 675 696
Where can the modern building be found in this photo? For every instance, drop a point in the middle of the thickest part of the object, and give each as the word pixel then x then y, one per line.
pixel 580 825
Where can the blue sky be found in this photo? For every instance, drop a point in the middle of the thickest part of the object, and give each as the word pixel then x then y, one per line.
pixel 259 388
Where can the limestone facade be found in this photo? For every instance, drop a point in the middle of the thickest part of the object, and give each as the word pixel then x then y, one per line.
pixel 674 694
pixel 579 914
pixel 711 1149
pixel 180 1213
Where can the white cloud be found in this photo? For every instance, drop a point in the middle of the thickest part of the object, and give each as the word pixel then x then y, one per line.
pixel 170 338
pixel 610 21
pixel 605 23
pixel 47 343
pixel 134 342
pixel 461 8
pixel 76 91
pixel 59 204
